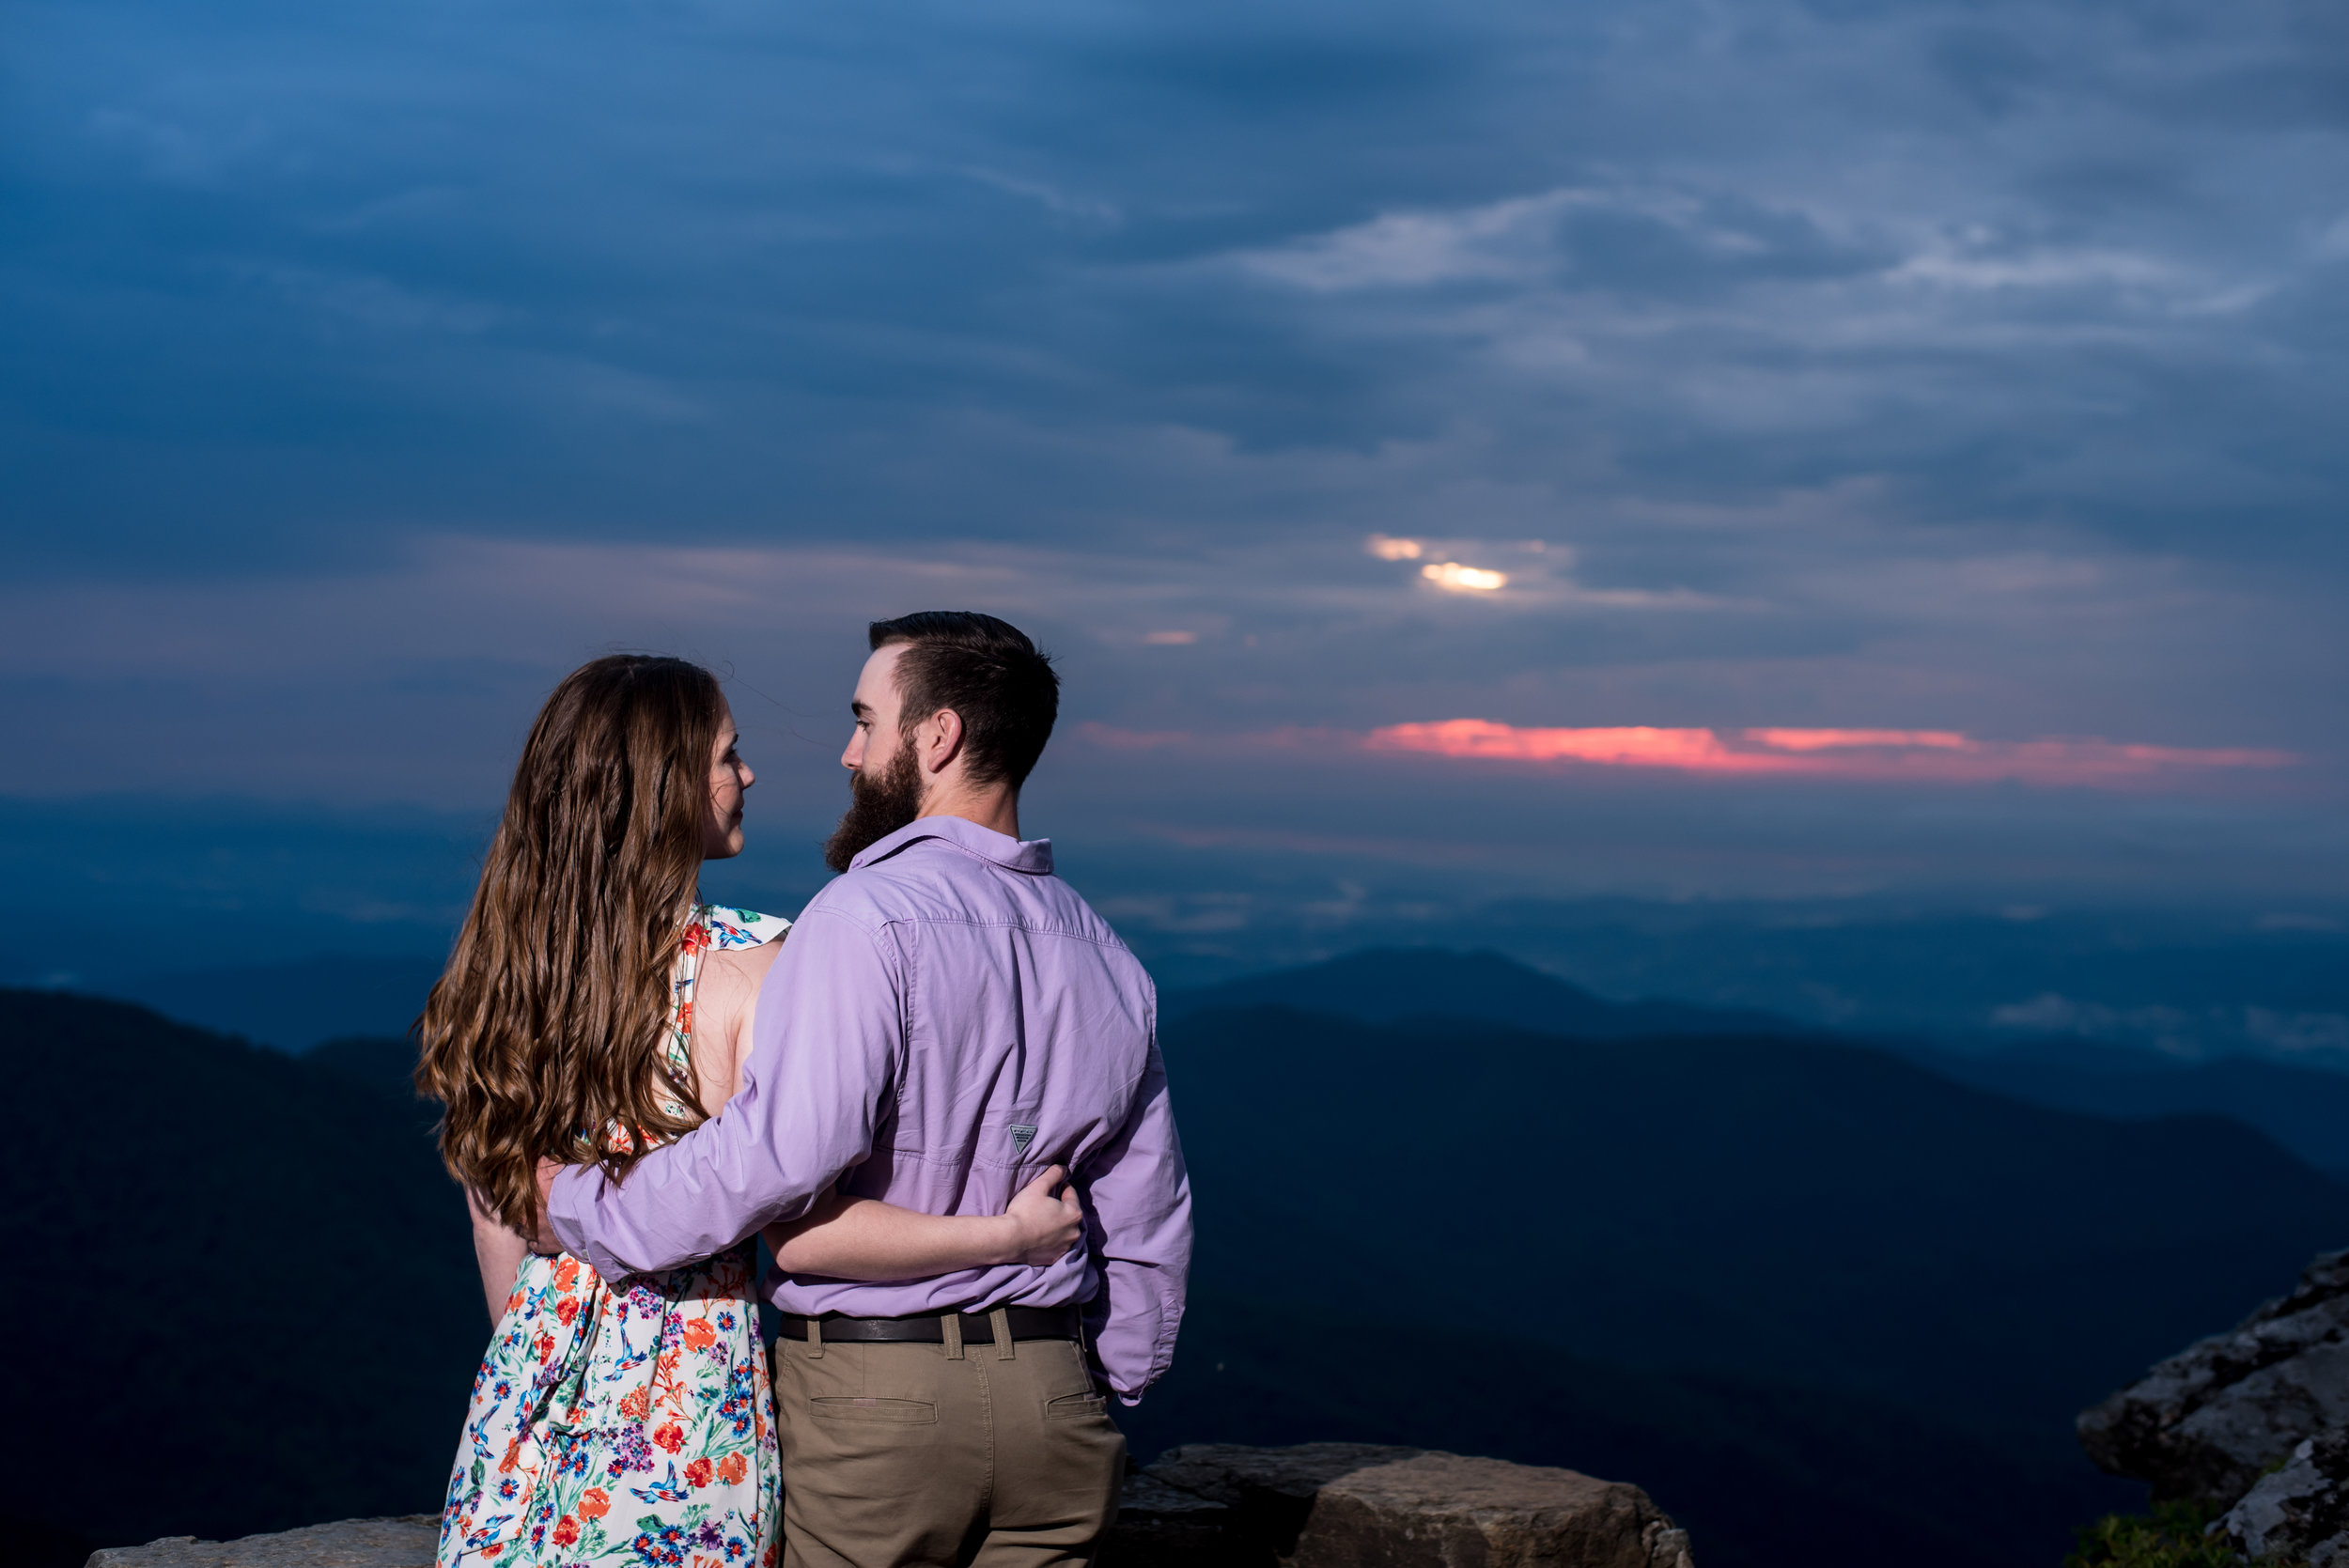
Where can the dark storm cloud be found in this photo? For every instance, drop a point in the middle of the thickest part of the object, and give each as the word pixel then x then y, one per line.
pixel 535 254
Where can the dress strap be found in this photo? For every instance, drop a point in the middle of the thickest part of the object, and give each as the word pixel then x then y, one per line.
pixel 725 928
pixel 711 927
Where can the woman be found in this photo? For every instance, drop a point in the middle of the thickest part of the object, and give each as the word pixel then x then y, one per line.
pixel 592 1009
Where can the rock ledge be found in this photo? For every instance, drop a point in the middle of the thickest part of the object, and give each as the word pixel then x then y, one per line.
pixel 403 1542
pixel 2207 1423
pixel 1207 1505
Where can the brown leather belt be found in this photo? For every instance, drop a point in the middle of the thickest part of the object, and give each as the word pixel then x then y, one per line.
pixel 1027 1323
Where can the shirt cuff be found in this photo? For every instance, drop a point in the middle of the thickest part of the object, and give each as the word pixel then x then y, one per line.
pixel 567 1206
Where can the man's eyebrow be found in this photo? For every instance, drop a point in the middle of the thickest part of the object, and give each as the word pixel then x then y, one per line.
pixel 859 708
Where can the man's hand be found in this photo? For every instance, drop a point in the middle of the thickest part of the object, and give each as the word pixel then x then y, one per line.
pixel 542 1237
pixel 1044 1227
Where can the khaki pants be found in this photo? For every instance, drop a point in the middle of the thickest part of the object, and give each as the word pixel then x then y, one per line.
pixel 911 1456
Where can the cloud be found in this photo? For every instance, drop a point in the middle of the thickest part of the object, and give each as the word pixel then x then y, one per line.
pixel 1504 240
pixel 1888 756
pixel 1455 578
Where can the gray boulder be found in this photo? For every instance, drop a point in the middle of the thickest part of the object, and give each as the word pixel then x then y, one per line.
pixel 1350 1505
pixel 2301 1514
pixel 404 1543
pixel 2205 1424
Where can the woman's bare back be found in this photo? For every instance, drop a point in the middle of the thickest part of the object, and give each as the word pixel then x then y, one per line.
pixel 725 996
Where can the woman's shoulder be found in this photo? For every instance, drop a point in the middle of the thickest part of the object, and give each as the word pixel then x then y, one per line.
pixel 727 930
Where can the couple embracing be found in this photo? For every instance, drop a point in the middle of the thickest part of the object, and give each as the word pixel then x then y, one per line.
pixel 940 1100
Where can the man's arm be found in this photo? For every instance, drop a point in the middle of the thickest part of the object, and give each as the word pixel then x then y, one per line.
pixel 824 1047
pixel 1139 1195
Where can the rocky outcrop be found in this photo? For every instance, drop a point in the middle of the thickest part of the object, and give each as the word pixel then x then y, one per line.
pixel 2206 1423
pixel 406 1542
pixel 1319 1505
pixel 2301 1514
pixel 1352 1505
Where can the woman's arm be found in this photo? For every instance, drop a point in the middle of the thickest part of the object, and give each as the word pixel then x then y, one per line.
pixel 863 1238
pixel 498 1250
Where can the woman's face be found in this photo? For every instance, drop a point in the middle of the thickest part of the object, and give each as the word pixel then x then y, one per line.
pixel 729 776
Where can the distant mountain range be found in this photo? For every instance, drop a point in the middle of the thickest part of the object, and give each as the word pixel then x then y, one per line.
pixel 2304 1108
pixel 1831 1306
pixel 1386 984
pixel 295 1004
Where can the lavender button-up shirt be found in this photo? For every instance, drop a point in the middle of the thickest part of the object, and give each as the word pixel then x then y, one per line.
pixel 946 1020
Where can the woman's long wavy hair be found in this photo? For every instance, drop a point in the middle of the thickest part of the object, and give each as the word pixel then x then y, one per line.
pixel 545 1033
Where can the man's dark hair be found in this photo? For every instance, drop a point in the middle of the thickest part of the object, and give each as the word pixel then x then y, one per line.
pixel 989 673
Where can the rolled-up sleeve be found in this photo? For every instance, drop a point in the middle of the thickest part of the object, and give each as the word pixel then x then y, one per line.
pixel 1138 1193
pixel 825 1047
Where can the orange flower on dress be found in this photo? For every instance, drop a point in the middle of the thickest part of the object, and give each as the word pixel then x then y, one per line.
pixel 732 1468
pixel 566 1532
pixel 513 1456
pixel 699 1335
pixel 546 1346
pixel 671 1436
pixel 566 1310
pixel 567 1274
pixel 594 1503
pixel 636 1403
pixel 697 1473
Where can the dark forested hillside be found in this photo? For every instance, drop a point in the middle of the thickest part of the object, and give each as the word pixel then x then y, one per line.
pixel 1831 1309
pixel 1831 1285
pixel 245 1295
pixel 1800 1209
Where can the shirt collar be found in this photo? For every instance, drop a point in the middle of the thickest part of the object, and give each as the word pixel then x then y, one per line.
pixel 1030 855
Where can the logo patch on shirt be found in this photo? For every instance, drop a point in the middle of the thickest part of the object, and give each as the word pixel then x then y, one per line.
pixel 1021 1137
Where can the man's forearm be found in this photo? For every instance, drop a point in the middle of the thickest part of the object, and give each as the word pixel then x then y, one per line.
pixel 678 1204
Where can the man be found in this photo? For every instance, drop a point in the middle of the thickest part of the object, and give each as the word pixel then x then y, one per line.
pixel 947 1019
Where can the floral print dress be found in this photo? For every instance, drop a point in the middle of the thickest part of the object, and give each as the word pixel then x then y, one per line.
pixel 625 1420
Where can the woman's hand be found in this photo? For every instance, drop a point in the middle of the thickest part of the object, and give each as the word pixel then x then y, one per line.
pixel 1044 1227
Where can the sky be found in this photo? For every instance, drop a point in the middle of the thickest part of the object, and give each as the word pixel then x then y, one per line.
pixel 1458 454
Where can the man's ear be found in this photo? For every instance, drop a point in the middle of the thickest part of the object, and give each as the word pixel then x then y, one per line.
pixel 942 739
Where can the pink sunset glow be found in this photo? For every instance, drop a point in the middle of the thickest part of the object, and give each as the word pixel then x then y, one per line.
pixel 1925 756
pixel 1826 740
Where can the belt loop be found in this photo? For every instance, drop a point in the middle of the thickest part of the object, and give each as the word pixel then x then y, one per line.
pixel 999 1321
pixel 814 1339
pixel 951 1325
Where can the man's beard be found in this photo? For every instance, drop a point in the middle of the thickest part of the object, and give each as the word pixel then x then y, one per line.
pixel 876 808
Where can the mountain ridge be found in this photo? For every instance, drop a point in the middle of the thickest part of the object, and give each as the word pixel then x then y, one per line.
pixel 2305 1109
